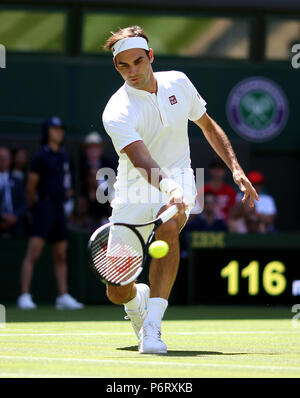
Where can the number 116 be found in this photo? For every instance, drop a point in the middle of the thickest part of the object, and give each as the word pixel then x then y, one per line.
pixel 273 279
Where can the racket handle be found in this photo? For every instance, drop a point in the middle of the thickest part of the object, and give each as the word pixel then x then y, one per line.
pixel 169 213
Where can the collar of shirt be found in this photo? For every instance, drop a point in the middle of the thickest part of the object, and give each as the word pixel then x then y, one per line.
pixel 157 99
pixel 136 91
pixel 48 149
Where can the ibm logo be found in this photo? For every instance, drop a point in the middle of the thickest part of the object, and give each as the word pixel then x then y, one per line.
pixel 2 57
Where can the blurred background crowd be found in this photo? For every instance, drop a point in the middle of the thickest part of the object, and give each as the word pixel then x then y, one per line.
pixel 223 209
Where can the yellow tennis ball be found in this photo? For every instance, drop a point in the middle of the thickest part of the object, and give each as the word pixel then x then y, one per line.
pixel 158 249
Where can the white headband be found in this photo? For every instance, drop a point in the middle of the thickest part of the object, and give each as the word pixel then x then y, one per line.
pixel 128 43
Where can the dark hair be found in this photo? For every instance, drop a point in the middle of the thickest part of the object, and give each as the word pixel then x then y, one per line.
pixel 211 193
pixel 131 31
pixel 217 163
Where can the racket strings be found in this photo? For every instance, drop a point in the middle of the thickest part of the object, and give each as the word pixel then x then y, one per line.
pixel 117 254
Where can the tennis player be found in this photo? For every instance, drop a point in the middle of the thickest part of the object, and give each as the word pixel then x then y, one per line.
pixel 147 120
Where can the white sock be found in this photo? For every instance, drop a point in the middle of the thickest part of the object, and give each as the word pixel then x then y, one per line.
pixel 133 304
pixel 157 308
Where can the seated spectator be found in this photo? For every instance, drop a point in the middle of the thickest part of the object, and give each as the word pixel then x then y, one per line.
pixel 225 193
pixel 208 220
pixel 19 164
pixel 13 204
pixel 239 218
pixel 254 224
pixel 265 208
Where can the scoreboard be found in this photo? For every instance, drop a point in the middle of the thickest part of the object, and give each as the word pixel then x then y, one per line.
pixel 241 275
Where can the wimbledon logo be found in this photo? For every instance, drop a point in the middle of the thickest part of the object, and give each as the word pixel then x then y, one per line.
pixel 257 109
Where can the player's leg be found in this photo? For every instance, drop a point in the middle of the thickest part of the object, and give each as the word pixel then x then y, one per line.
pixel 162 275
pixel 134 296
pixel 163 271
pixel 34 250
pixel 121 294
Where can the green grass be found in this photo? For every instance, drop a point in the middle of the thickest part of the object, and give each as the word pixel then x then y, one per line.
pixel 203 341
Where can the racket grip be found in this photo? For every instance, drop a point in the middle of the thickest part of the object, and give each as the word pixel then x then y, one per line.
pixel 169 213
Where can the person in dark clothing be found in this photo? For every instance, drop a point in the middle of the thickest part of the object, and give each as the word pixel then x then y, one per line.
pixel 13 204
pixel 46 192
pixel 19 164
pixel 207 220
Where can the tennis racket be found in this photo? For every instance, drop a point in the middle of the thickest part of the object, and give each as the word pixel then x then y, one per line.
pixel 117 252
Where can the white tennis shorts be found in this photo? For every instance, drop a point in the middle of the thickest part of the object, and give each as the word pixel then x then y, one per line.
pixel 139 213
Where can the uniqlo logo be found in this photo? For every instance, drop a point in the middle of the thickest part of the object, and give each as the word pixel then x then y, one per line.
pixel 173 100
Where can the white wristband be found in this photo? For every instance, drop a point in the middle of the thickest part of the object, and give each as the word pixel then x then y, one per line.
pixel 167 185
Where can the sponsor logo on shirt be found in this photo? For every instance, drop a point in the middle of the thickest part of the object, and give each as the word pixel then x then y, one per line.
pixel 173 100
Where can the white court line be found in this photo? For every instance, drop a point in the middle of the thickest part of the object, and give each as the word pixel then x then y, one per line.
pixel 147 363
pixel 12 334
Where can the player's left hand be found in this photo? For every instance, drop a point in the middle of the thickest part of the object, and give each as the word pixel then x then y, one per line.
pixel 245 186
pixel 176 198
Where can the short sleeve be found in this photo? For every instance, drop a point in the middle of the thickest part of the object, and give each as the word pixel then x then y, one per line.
pixel 198 104
pixel 120 128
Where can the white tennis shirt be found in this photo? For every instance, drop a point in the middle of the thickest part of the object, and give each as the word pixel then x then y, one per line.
pixel 159 119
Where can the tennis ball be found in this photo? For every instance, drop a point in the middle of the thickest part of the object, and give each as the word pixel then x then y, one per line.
pixel 158 249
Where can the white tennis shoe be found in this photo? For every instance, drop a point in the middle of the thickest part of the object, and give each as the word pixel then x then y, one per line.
pixel 67 302
pixel 150 339
pixel 24 302
pixel 138 316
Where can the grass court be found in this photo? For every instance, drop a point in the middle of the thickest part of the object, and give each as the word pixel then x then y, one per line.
pixel 203 342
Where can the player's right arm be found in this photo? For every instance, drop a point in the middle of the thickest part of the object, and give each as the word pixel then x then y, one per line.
pixel 32 182
pixel 141 158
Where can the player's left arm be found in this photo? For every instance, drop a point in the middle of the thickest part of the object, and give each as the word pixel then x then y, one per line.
pixel 219 141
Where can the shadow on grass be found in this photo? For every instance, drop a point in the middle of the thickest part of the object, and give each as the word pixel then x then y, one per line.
pixel 186 353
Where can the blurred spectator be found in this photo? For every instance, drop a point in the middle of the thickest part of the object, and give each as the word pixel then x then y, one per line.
pixel 226 194
pixel 81 217
pixel 13 205
pixel 46 193
pixel 93 156
pixel 97 211
pixel 261 217
pixel 208 220
pixel 19 164
pixel 253 223
pixel 241 218
pixel 94 159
